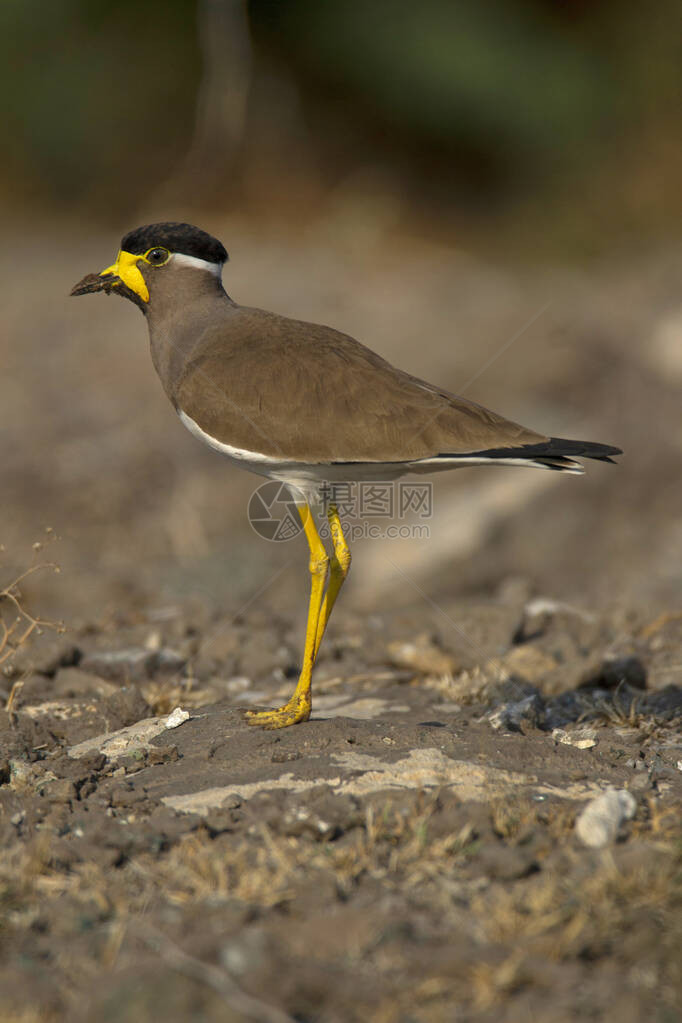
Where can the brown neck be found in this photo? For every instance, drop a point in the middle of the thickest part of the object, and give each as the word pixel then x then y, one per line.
pixel 181 305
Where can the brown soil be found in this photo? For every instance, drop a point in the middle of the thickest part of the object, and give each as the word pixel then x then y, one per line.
pixel 410 854
pixel 398 857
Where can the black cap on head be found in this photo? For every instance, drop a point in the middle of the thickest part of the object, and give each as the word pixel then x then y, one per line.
pixel 185 238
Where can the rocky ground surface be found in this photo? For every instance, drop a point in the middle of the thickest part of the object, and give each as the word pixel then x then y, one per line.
pixel 482 819
pixel 450 836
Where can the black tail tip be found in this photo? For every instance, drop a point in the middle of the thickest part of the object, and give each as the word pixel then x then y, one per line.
pixel 581 449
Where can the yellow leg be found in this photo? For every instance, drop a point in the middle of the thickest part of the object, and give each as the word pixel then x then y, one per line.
pixel 299 706
pixel 340 565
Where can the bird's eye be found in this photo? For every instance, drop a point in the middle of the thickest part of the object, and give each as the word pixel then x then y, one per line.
pixel 157 256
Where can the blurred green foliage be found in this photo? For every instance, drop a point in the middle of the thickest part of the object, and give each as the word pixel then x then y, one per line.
pixel 497 79
pixel 99 97
pixel 498 97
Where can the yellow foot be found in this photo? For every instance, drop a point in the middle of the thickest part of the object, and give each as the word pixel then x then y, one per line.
pixel 292 713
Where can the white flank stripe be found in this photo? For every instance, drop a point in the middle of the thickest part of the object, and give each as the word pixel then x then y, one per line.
pixel 240 454
pixel 296 472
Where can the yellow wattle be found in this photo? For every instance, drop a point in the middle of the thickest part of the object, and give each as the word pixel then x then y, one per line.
pixel 125 268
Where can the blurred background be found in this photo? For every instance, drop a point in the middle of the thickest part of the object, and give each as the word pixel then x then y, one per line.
pixel 487 194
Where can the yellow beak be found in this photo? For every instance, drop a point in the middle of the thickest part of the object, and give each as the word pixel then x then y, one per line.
pixel 125 268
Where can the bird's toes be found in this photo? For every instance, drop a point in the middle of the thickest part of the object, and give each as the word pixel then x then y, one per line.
pixel 281 718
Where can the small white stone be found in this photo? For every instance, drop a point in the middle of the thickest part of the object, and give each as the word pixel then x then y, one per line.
pixel 679 765
pixel 177 717
pixel 600 820
pixel 583 739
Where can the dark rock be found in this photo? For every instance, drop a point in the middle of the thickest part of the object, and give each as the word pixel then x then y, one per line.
pixel 162 755
pixel 78 771
pixel 521 716
pixel 92 762
pixel 665 704
pixel 566 708
pixel 125 706
pixel 614 670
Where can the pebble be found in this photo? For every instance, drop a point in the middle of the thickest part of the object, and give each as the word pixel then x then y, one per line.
pixel 599 821
pixel 177 717
pixel 285 756
pixel 585 738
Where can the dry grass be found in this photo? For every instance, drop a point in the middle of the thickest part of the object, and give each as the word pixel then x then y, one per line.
pixel 602 905
pixel 18 625
pixel 559 917
pixel 466 687
pixel 618 711
pixel 513 820
pixel 493 983
pixel 577 908
pixel 267 869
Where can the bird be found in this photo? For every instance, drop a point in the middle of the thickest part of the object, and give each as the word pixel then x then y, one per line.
pixel 302 404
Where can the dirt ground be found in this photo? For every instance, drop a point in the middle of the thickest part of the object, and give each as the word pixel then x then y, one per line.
pixel 418 850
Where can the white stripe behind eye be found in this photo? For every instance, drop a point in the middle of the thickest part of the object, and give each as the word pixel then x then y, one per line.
pixel 180 259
